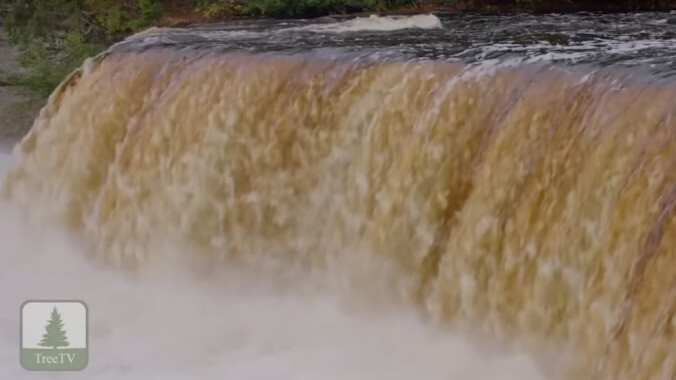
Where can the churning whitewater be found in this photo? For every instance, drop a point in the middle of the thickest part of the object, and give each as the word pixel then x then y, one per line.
pixel 170 322
pixel 299 217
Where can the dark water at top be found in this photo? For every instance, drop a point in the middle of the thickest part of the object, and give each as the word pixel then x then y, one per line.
pixel 636 42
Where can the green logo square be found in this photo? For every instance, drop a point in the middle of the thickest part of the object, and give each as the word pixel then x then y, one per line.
pixel 54 336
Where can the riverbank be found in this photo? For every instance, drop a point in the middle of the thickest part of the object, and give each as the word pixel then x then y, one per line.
pixel 18 105
pixel 560 6
pixel 176 13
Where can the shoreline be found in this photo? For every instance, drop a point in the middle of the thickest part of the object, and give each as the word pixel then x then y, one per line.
pixel 565 6
pixel 19 106
pixel 178 15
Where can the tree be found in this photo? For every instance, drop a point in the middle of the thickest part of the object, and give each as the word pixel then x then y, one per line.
pixel 55 335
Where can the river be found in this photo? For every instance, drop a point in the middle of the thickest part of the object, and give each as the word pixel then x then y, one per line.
pixel 436 196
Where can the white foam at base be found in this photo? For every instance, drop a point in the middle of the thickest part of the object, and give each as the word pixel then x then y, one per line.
pixel 168 324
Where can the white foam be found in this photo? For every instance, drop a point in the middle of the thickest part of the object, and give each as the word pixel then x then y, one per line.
pixel 169 324
pixel 377 23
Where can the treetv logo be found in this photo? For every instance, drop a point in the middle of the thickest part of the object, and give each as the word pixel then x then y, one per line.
pixel 54 336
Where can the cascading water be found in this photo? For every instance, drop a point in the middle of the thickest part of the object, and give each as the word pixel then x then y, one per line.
pixel 531 206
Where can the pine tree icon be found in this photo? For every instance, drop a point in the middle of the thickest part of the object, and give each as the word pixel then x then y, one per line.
pixel 55 335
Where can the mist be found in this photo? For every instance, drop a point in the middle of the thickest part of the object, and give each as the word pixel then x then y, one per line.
pixel 170 322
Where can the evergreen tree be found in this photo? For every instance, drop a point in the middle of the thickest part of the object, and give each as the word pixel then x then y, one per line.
pixel 55 335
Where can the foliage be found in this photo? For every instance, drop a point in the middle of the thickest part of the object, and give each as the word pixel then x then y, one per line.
pixel 55 36
pixel 217 9
pixel 212 9
pixel 149 11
